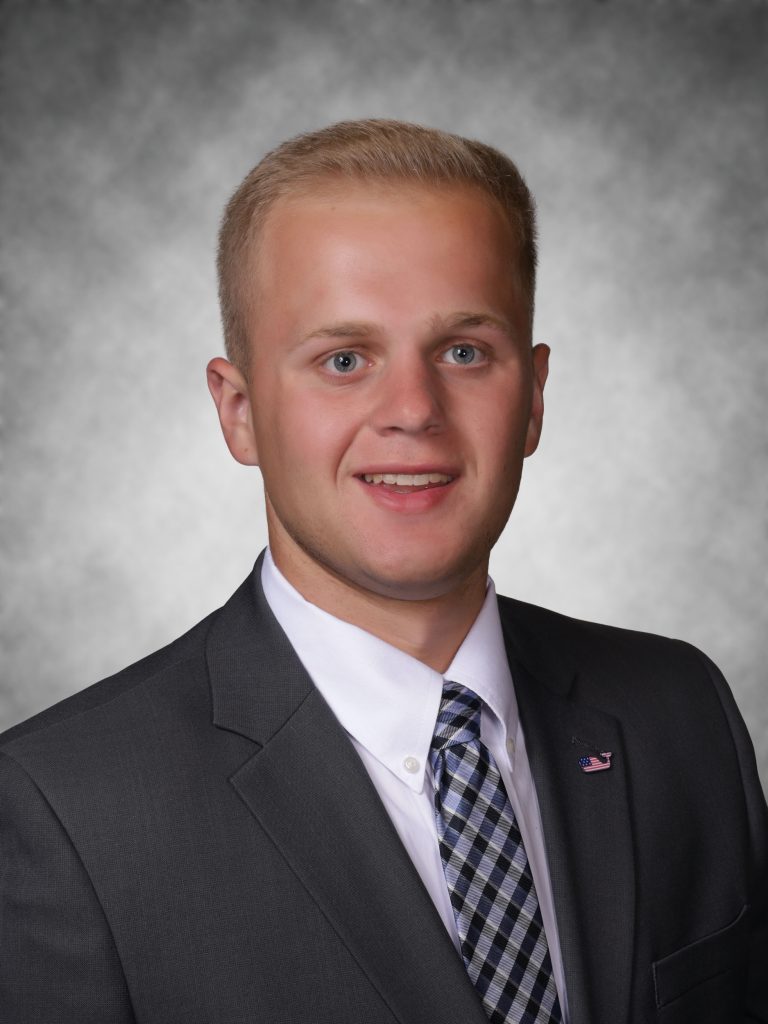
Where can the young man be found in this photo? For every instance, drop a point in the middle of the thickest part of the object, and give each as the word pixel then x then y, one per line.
pixel 367 789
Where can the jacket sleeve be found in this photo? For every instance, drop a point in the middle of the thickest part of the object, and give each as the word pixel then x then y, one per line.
pixel 58 961
pixel 756 996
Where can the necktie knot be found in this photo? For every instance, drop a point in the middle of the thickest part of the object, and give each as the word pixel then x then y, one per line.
pixel 458 720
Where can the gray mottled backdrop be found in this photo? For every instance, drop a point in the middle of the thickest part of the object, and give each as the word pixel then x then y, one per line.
pixel 641 126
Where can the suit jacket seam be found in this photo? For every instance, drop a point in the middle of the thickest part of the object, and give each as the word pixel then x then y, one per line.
pixel 71 843
pixel 705 664
pixel 756 878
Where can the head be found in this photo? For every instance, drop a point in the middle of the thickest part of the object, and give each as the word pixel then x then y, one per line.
pixel 367 151
pixel 377 294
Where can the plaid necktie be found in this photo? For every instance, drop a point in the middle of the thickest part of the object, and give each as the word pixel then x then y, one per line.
pixel 489 880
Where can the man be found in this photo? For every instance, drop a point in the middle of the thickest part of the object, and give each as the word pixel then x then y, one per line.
pixel 367 789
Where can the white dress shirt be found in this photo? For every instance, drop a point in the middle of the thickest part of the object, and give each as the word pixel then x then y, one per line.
pixel 387 701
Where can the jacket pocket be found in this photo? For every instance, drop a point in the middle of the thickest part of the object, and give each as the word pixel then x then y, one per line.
pixel 705 959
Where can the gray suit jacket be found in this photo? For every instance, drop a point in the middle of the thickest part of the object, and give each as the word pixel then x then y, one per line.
pixel 196 840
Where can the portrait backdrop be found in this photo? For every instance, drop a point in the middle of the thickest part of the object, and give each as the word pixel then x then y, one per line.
pixel 641 128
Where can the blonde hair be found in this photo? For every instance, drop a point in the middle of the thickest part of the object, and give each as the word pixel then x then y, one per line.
pixel 367 150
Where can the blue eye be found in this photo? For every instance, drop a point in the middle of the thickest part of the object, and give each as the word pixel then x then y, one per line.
pixel 343 362
pixel 461 355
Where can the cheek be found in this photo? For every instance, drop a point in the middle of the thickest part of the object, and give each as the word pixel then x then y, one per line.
pixel 312 434
pixel 501 422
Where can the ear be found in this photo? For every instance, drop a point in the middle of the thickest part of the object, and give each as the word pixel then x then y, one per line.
pixel 230 395
pixel 540 357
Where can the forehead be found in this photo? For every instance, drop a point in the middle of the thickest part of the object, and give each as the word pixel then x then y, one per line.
pixel 386 252
pixel 373 217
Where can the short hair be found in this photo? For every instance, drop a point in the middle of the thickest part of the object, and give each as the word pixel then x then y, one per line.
pixel 366 150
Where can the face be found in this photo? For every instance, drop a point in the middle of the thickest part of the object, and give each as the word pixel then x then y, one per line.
pixel 393 392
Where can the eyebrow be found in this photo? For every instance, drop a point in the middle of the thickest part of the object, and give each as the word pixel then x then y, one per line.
pixel 361 329
pixel 348 329
pixel 459 320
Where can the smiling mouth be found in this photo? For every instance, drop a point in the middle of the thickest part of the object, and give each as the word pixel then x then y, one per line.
pixel 406 483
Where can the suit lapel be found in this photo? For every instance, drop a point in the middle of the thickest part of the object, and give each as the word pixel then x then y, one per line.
pixel 586 823
pixel 312 796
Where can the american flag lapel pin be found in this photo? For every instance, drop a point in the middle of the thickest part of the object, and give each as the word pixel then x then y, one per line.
pixel 596 762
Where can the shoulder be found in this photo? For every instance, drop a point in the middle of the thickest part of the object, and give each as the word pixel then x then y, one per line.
pixel 625 672
pixel 667 694
pixel 593 644
pixel 106 705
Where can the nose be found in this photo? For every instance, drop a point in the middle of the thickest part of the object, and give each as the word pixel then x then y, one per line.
pixel 408 399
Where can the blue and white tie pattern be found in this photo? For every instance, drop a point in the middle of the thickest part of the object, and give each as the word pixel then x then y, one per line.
pixel 489 880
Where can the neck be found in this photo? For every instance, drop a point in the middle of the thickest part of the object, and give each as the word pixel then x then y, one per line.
pixel 430 629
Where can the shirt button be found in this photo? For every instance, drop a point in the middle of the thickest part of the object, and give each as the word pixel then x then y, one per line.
pixel 411 764
pixel 510 746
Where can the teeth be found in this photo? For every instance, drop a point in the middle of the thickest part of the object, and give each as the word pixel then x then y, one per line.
pixel 407 479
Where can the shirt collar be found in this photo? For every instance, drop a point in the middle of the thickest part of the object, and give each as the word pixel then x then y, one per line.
pixel 384 698
pixel 481 664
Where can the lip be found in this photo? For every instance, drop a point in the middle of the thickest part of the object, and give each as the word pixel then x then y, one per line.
pixel 414 469
pixel 413 502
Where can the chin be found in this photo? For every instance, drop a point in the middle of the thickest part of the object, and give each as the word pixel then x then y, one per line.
pixel 407 581
pixel 408 571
